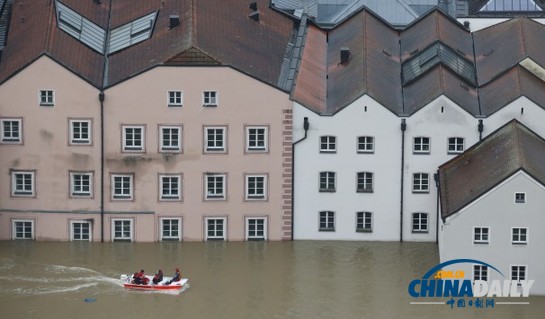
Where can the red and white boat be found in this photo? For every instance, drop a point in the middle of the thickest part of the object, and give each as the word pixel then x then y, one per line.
pixel 163 285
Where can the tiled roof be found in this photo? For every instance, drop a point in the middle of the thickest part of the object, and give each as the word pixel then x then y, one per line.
pixel 511 148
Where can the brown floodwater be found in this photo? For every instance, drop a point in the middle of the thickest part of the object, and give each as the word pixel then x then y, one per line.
pixel 304 279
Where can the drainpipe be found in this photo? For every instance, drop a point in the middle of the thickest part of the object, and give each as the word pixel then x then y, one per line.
pixel 436 178
pixel 403 129
pixel 480 128
pixel 101 98
pixel 305 127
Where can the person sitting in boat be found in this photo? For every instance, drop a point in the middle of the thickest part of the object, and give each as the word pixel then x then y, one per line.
pixel 158 277
pixel 139 278
pixel 177 277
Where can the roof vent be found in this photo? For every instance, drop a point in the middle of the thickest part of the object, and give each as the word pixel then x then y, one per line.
pixel 254 16
pixel 174 21
pixel 253 5
pixel 345 55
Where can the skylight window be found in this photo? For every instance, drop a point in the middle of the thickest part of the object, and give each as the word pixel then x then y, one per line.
pixel 131 33
pixel 510 5
pixel 80 28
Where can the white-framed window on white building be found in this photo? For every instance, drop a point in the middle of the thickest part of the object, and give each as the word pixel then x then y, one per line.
pixel 455 145
pixel 480 272
pixel 22 229
pixel 122 229
pixel 133 138
pixel 519 235
pixel 80 131
pixel 421 183
pixel 11 130
pixel 170 187
pixel 366 144
pixel 364 222
pixel 256 187
pixel 80 230
pixel 257 139
pixel 364 182
pixel 328 144
pixel 326 221
pixel 215 139
pixel 81 184
pixel 210 98
pixel 256 228
pixel 520 198
pixel 420 222
pixel 481 235
pixel 47 97
pixel 216 228
pixel 215 186
pixel 23 183
pixel 122 186
pixel 327 182
pixel 171 229
pixel 170 138
pixel 175 98
pixel 518 273
pixel 421 145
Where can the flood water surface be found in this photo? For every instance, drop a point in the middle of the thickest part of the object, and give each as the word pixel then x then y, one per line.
pixel 308 279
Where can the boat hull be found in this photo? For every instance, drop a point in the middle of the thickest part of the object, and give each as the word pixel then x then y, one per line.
pixel 162 286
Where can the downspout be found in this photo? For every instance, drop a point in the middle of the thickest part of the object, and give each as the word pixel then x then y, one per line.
pixel 480 127
pixel 436 178
pixel 305 127
pixel 403 129
pixel 101 98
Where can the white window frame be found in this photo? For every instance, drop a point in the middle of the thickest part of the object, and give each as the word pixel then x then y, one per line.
pixel 328 144
pixel 326 218
pixel 46 97
pixel 481 235
pixel 252 194
pixel 365 144
pixel 365 219
pixel 170 196
pixel 73 230
pixel 133 146
pixel 518 276
pixel 74 192
pixel 171 147
pixel 79 140
pixel 421 145
pixel 14 229
pixel 170 230
pixel 210 98
pixel 455 145
pixel 520 198
pixel 7 136
pixel 124 195
pixel 367 181
pixel 327 179
pixel 480 272
pixel 421 182
pixel 212 193
pixel 251 234
pixel 16 191
pixel 123 237
pixel 253 143
pixel 215 236
pixel 420 227
pixel 516 232
pixel 175 98
pixel 215 148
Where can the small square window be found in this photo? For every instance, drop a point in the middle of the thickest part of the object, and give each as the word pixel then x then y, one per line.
pixel 256 187
pixel 520 198
pixel 327 182
pixel 170 139
pixel 175 98
pixel 327 221
pixel 81 184
pixel 366 144
pixel 22 229
pixel 171 229
pixel 215 228
pixel 364 182
pixel 328 144
pixel 364 222
pixel 519 235
pixel 210 98
pixel 47 98
pixel 518 273
pixel 80 132
pixel 22 183
pixel 420 223
pixel 215 187
pixel 11 131
pixel 170 187
pixel 421 183
pixel 122 187
pixel 481 235
pixel 133 138
pixel 455 145
pixel 421 145
pixel 256 139
pixel 215 139
pixel 480 272
pixel 80 230
pixel 122 230
pixel 256 228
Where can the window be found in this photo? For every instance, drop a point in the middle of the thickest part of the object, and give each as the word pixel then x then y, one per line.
pixel 328 144
pixel 122 230
pixel 122 186
pixel 420 223
pixel 215 139
pixel 47 98
pixel 170 138
pixel 366 144
pixel 327 221
pixel 256 228
pixel 133 138
pixel 11 131
pixel 80 132
pixel 455 145
pixel 520 198
pixel 81 184
pixel 256 187
pixel 480 272
pixel 518 273
pixel 481 235
pixel 421 145
pixel 256 139
pixel 421 183
pixel 215 186
pixel 327 181
pixel 175 98
pixel 215 228
pixel 22 229
pixel 80 230
pixel 171 229
pixel 22 183
pixel 519 235
pixel 364 182
pixel 170 187
pixel 210 98
pixel 364 222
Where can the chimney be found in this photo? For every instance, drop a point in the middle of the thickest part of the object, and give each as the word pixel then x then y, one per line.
pixel 174 21
pixel 254 16
pixel 345 55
